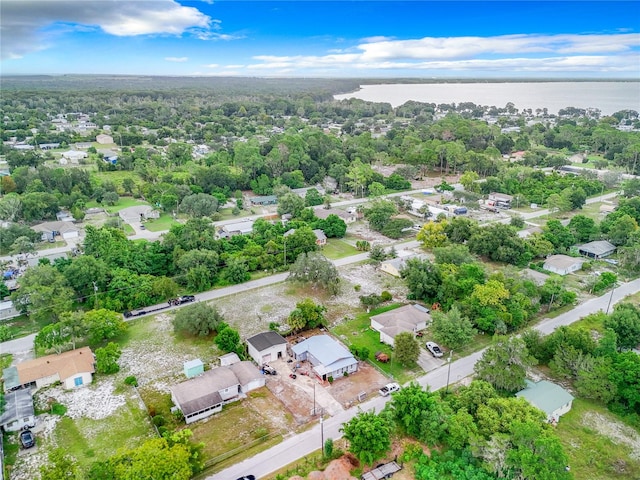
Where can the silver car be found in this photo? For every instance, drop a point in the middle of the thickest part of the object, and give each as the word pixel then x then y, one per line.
pixel 435 349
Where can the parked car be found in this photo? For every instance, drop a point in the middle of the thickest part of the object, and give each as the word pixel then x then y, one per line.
pixel 388 389
pixel 27 439
pixel 435 349
pixel 248 477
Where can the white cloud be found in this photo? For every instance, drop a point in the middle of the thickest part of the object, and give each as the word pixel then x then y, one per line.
pixel 176 59
pixel 212 65
pixel 30 25
pixel 507 53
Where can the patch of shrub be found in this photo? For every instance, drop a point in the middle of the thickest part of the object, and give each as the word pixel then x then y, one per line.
pixel 162 431
pixel 260 432
pixel 330 379
pixel 158 420
pixel 58 409
pixel 131 380
pixel 385 296
pixel 357 287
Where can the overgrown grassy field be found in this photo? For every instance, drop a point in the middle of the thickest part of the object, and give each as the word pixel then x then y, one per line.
pixel 598 444
pixel 89 440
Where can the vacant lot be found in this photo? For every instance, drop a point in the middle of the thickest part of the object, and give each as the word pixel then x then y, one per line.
pixel 599 446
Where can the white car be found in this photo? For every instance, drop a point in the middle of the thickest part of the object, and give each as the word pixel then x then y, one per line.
pixel 435 349
pixel 389 388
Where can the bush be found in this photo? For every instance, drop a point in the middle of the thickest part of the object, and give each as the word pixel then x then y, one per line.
pixel 131 380
pixel 357 287
pixel 260 432
pixel 58 409
pixel 345 374
pixel 385 296
pixel 328 448
pixel 162 431
pixel 274 326
pixel 330 379
pixel 159 421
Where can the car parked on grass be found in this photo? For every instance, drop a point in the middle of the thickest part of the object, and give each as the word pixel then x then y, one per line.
pixel 435 349
pixel 27 439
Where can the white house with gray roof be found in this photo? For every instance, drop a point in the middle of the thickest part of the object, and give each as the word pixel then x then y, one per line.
pixel 552 399
pixel 597 249
pixel 563 264
pixel 204 395
pixel 410 318
pixel 327 356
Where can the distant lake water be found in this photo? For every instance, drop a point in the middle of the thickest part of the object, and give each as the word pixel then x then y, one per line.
pixel 609 97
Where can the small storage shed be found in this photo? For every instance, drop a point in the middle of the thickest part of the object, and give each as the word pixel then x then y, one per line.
pixel 193 368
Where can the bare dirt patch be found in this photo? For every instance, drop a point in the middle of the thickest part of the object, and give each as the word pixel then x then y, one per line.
pixel 366 380
pixel 616 431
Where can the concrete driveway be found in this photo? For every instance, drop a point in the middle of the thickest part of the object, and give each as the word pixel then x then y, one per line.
pixel 428 362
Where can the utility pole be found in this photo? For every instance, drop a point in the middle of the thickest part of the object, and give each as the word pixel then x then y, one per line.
pixel 322 436
pixel 95 295
pixel 613 288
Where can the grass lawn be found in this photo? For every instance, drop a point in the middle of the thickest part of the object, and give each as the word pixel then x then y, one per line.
pixel 123 202
pixel 116 177
pixel 89 440
pixel 24 325
pixel 592 454
pixel 358 332
pixel 337 248
pixel 165 222
pixel 257 421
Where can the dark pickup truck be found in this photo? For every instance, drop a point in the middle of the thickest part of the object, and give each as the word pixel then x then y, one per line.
pixel 182 300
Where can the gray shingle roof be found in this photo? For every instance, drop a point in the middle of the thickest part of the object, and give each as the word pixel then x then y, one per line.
pixel 264 340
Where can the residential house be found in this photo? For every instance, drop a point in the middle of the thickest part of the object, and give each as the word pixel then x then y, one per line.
pixel 8 310
pixel 18 411
pixel 109 156
pixel 103 139
pixel 321 238
pixel 500 200
pixel 598 249
pixel 74 156
pixel 138 213
pixel 527 232
pixel 410 318
pixel 73 369
pixel 563 264
pixel 346 216
pixel 49 230
pixel 302 192
pixel 552 399
pixel 393 266
pixel 48 146
pixel 264 200
pixel 266 347
pixel 239 228
pixel 327 356
pixel 204 395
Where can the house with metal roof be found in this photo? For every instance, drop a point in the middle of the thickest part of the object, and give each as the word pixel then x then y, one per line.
pixel 563 264
pixel 74 369
pixel 410 318
pixel 264 200
pixel 552 399
pixel 597 249
pixel 18 411
pixel 347 217
pixel 266 347
pixel 327 356
pixel 238 228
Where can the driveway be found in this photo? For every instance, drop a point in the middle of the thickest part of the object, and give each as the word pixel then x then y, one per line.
pixel 428 362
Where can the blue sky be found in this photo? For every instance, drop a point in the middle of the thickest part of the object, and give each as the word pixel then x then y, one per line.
pixel 322 38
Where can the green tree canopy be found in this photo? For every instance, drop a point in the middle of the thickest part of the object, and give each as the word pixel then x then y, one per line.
pixel 504 364
pixel 405 348
pixel 200 319
pixel 369 436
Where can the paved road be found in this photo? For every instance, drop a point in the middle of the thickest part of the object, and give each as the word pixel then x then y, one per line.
pixel 22 345
pixel 297 446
